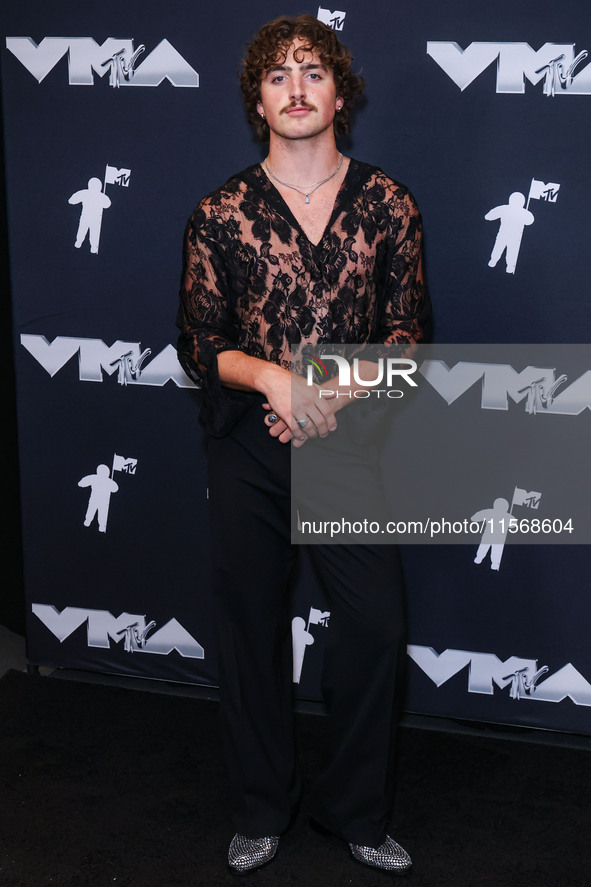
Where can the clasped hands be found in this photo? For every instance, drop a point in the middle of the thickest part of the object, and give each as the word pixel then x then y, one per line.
pixel 303 411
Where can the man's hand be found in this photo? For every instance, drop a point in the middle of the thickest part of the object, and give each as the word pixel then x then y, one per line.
pixel 301 411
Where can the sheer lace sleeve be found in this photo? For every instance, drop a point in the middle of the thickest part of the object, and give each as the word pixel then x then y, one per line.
pixel 404 312
pixel 207 323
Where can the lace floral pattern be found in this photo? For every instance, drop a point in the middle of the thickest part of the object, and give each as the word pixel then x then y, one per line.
pixel 252 281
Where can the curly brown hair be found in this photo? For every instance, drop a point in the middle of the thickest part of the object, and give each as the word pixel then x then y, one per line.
pixel 271 45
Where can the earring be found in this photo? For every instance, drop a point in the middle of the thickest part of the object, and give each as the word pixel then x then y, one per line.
pixel 262 115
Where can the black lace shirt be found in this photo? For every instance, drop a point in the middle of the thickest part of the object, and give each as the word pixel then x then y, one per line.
pixel 252 280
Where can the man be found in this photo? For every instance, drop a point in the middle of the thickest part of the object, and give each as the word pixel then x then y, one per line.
pixel 308 247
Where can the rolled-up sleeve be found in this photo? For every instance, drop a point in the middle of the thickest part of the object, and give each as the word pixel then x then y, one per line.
pixel 207 322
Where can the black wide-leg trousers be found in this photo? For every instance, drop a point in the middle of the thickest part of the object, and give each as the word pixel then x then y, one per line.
pixel 253 564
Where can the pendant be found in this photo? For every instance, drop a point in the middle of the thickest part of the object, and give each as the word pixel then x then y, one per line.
pixel 307 199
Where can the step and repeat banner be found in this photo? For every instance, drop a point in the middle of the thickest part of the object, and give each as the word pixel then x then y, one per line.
pixel 118 118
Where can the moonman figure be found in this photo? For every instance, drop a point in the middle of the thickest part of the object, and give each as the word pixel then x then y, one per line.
pixel 497 521
pixel 93 203
pixel 301 638
pixel 307 247
pixel 514 217
pixel 101 487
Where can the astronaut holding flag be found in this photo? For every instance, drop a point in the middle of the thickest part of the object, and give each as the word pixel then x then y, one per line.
pixel 94 201
pixel 302 637
pixel 514 216
pixel 497 522
pixel 102 486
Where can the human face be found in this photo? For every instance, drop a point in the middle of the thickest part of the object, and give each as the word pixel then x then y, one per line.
pixel 298 96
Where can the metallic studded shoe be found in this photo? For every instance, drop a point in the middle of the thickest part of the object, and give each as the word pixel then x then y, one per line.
pixel 246 854
pixel 389 856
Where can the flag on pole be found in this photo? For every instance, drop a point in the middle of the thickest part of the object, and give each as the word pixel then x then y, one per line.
pixel 317 617
pixel 541 191
pixel 114 176
pixel 522 497
pixel 120 463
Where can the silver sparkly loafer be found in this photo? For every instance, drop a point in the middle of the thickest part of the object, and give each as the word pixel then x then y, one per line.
pixel 246 854
pixel 389 856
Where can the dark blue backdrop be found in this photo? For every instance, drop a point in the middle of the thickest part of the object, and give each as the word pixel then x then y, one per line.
pixel 461 152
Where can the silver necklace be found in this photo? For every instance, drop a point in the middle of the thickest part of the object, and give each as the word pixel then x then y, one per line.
pixel 305 190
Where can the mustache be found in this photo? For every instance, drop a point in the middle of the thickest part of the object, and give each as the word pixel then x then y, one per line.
pixel 303 104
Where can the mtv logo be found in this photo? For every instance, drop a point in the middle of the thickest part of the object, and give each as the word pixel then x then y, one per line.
pixel 334 20
pixel 114 176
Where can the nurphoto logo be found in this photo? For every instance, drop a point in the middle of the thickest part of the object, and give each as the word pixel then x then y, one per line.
pixel 385 370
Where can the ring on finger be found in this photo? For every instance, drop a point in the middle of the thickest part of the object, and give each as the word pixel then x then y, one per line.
pixel 272 418
pixel 303 422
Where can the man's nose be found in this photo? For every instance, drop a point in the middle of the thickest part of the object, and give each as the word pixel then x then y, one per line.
pixel 298 88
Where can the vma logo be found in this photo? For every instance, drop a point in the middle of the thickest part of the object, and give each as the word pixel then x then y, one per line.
pixel 125 359
pixel 102 628
pixel 537 387
pixel 485 671
pixel 115 57
pixel 554 64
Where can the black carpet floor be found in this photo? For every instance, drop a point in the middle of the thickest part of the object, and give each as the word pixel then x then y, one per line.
pixel 108 786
